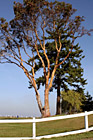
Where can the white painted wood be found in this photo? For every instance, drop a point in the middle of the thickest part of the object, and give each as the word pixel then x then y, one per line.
pixel 62 134
pixel 34 129
pixel 13 138
pixel 17 121
pixel 65 133
pixel 49 119
pixel 63 117
pixel 86 120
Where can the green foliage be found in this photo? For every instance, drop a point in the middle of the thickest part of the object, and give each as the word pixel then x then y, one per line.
pixel 71 101
pixel 87 103
pixel 68 74
pixel 71 73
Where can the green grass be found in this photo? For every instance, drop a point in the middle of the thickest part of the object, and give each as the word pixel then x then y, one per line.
pixel 88 135
pixel 44 128
pixel 59 126
pixel 90 120
pixel 16 130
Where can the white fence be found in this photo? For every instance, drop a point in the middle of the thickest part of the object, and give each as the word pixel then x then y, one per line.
pixel 34 121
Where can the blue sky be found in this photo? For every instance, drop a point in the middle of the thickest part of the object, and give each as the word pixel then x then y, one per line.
pixel 15 97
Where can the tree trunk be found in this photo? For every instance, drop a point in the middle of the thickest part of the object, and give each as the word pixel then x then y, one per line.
pixel 40 104
pixel 58 106
pixel 45 111
pixel 46 107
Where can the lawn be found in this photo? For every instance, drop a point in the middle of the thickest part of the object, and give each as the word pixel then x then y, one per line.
pixel 45 128
pixel 83 136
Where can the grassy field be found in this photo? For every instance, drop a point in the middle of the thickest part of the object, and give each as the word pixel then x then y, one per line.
pixel 45 128
pixel 83 136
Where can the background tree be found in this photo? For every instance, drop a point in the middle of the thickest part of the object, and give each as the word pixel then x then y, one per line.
pixel 71 101
pixel 34 22
pixel 87 104
pixel 68 75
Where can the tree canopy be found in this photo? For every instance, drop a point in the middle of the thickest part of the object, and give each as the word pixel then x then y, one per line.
pixel 71 101
pixel 69 75
pixel 87 104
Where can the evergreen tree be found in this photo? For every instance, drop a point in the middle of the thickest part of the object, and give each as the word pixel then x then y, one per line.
pixel 68 75
pixel 88 102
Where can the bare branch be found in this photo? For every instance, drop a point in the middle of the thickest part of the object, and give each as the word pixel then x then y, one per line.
pixel 10 61
pixel 67 54
pixel 44 68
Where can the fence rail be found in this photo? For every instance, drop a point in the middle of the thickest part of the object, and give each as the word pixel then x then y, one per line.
pixel 34 121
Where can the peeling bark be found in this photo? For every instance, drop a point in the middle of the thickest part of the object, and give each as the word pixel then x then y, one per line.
pixel 46 107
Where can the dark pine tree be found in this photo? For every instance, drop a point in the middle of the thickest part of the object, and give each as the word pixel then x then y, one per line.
pixel 88 102
pixel 68 75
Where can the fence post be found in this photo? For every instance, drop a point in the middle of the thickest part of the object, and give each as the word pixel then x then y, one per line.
pixel 86 120
pixel 34 128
